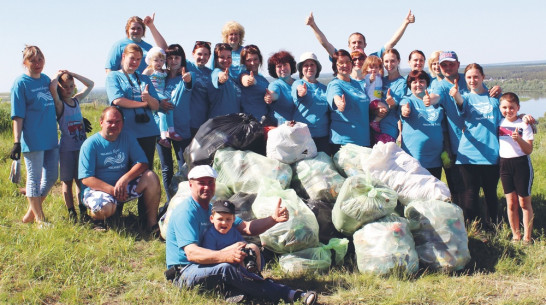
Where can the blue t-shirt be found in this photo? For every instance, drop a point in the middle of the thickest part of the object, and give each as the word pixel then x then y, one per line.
pixel 235 69
pixel 252 97
pixel 130 86
pixel 282 109
pixel 187 225
pixel 31 100
pixel 389 124
pixel 312 109
pixel 108 161
pixel 215 240
pixel 353 124
pixel 180 98
pixel 227 98
pixel 113 62
pixel 422 133
pixel 479 142
pixel 201 88
pixel 455 123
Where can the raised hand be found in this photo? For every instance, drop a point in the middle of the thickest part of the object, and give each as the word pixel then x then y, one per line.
pixel 251 79
pixel 302 90
pixel 426 99
pixel 268 97
pixel 340 103
pixel 149 20
pixel 372 77
pixel 146 95
pixel 389 99
pixel 454 90
pixel 410 18
pixel 406 110
pixel 223 76
pixel 280 214
pixel 310 20
pixel 186 76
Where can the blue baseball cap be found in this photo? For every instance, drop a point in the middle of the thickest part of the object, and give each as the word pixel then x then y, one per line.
pixel 448 56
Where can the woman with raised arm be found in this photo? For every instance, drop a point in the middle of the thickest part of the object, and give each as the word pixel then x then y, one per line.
pixel 310 99
pixel 278 95
pixel 35 132
pixel 227 98
pixel 422 131
pixel 254 85
pixel 349 105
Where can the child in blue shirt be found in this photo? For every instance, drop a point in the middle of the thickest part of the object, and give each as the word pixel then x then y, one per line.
pixel 223 234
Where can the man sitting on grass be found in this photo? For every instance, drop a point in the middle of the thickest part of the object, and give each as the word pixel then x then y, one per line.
pixel 189 264
pixel 114 169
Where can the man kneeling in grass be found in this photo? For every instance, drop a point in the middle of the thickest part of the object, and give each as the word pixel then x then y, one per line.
pixel 114 169
pixel 190 264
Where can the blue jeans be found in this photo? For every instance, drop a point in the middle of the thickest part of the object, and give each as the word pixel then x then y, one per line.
pixel 167 162
pixel 42 171
pixel 233 276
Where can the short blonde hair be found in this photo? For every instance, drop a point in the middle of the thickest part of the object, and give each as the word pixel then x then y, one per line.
pixel 434 56
pixel 137 20
pixel 232 26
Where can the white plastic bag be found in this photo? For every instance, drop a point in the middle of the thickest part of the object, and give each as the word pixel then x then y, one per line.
pixel 386 245
pixel 440 236
pixel 404 174
pixel 290 142
pixel 348 159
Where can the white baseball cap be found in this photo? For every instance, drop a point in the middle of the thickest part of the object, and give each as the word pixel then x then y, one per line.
pixel 201 171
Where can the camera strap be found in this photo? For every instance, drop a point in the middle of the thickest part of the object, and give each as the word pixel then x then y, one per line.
pixel 132 88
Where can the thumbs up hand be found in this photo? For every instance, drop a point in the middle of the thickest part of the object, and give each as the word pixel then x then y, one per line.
pixel 302 90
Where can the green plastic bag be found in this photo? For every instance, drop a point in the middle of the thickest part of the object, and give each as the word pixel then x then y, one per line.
pixel 386 245
pixel 361 200
pixel 315 259
pixel 440 236
pixel 298 233
pixel 349 158
pixel 317 178
pixel 245 171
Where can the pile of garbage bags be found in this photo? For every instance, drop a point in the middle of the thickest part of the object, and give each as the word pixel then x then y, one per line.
pixel 352 194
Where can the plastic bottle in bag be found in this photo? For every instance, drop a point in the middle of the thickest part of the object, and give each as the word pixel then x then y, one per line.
pixel 315 259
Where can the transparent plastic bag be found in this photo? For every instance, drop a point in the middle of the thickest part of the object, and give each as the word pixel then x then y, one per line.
pixel 404 174
pixel 317 178
pixel 298 233
pixel 238 130
pixel 386 245
pixel 315 259
pixel 348 159
pixel 244 171
pixel 440 236
pixel 290 142
pixel 361 200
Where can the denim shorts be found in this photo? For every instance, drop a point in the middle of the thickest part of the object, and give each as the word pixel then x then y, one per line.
pixel 42 171
pixel 96 200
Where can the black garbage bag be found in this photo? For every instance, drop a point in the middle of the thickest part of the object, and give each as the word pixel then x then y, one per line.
pixel 323 212
pixel 243 209
pixel 238 130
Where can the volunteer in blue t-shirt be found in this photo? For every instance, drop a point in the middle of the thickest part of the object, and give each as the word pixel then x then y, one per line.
pixel 233 34
pixel 422 132
pixel 136 97
pixel 309 96
pixel 113 169
pixel 278 96
pixel 35 131
pixel 135 30
pixel 191 264
pixel 202 85
pixel 349 105
pixel 226 99
pixel 394 85
pixel 254 85
pixel 478 150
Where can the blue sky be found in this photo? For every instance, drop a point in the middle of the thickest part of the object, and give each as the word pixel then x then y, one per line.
pixel 77 35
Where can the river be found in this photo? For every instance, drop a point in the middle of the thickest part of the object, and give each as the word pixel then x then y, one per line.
pixel 535 107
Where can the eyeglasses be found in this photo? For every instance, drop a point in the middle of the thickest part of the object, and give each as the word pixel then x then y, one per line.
pixel 361 58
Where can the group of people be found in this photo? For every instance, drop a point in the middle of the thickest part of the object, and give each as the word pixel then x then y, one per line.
pixel 159 99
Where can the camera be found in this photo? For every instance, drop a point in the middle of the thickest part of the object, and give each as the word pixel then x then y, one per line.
pixel 142 117
pixel 250 260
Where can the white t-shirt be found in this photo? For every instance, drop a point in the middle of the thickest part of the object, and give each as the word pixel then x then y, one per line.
pixel 509 148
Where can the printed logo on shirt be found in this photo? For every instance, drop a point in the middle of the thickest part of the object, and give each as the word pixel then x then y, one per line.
pixel 115 161
pixel 431 115
pixel 508 130
pixel 483 109
pixel 46 96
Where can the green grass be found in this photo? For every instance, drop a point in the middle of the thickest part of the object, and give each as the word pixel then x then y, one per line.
pixel 72 264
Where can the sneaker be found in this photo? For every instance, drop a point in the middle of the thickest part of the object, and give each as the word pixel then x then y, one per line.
pixel 308 298
pixel 235 296
pixel 174 136
pixel 165 143
pixel 100 226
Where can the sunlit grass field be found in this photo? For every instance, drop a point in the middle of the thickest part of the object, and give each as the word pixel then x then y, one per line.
pixel 73 264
